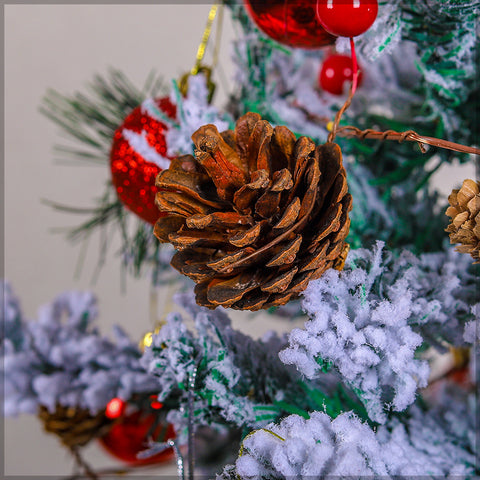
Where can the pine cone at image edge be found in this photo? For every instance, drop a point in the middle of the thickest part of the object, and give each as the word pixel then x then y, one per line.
pixel 464 211
pixel 256 215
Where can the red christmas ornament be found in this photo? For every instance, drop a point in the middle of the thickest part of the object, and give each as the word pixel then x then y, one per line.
pixel 154 403
pixel 335 71
pixel 347 18
pixel 292 23
pixel 131 434
pixel 115 408
pixel 138 153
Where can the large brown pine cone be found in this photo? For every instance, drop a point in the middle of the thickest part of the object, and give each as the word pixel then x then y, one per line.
pixel 75 427
pixel 257 214
pixel 464 210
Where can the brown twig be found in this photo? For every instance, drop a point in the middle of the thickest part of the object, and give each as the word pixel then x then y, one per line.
pixel 351 93
pixel 89 473
pixel 350 131
pixel 338 116
pixel 409 136
pixel 116 472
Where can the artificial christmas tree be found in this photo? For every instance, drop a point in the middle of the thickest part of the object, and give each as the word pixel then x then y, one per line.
pixel 259 215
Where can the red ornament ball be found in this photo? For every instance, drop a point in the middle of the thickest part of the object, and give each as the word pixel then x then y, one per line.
pixel 138 154
pixel 335 71
pixel 293 23
pixel 130 436
pixel 115 408
pixel 347 18
pixel 154 403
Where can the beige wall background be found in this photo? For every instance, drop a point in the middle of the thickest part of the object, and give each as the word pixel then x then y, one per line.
pixel 62 47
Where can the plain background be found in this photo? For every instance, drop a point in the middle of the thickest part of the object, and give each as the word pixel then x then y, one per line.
pixel 62 47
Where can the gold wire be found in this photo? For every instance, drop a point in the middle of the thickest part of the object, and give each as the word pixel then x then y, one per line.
pixel 218 36
pixel 240 453
pixel 206 35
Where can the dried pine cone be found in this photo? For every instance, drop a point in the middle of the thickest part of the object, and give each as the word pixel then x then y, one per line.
pixel 74 426
pixel 464 210
pixel 257 214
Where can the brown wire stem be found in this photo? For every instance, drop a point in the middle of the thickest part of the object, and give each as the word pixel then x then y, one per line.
pixel 338 116
pixel 83 464
pixel 409 136
pixel 107 472
pixel 351 93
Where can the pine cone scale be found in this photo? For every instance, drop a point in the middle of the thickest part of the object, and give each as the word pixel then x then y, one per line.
pixel 227 291
pixel 208 140
pixel 196 238
pixel 257 150
pixel 282 218
pixel 185 181
pixel 316 260
pixel 281 148
pixel 243 130
pixel 247 237
pixel 290 216
pixel 179 204
pixel 330 221
pixel 279 284
pixel 474 205
pixel 225 263
pixel 167 225
pixel 460 219
pixel 302 156
pixel 300 282
pixel 287 254
pixel 219 219
pixel 226 176
pixel 267 205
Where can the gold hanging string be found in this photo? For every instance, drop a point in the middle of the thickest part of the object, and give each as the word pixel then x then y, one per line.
pixel 266 430
pixel 205 37
pixel 218 36
pixel 158 321
pixel 241 452
pixel 198 67
pixel 153 306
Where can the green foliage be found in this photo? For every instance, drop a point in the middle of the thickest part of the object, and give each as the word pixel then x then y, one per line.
pixel 90 120
pixel 428 53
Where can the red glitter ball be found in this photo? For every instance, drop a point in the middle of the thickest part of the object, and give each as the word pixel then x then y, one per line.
pixel 115 408
pixel 131 434
pixel 347 18
pixel 292 23
pixel 136 158
pixel 335 71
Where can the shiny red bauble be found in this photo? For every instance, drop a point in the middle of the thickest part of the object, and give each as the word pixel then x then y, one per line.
pixel 115 408
pixel 347 18
pixel 293 23
pixel 130 435
pixel 335 72
pixel 139 152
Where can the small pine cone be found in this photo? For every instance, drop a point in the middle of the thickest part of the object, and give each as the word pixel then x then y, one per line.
pixel 75 427
pixel 257 214
pixel 464 211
